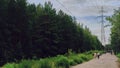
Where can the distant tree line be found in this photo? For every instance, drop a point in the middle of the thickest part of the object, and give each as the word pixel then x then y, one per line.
pixel 115 30
pixel 28 31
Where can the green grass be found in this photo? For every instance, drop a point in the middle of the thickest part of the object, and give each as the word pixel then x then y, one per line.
pixel 118 55
pixel 60 61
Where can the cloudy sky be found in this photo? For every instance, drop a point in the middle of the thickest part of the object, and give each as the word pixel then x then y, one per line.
pixel 86 12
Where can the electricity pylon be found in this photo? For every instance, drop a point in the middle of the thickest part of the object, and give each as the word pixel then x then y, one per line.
pixel 103 40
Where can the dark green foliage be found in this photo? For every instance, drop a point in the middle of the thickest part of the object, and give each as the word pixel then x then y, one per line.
pixel 46 64
pixel 115 31
pixel 24 64
pixel 28 31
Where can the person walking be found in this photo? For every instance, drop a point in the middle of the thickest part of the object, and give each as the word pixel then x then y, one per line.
pixel 95 55
pixel 98 55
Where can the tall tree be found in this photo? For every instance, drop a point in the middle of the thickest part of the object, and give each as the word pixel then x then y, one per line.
pixel 115 30
pixel 28 30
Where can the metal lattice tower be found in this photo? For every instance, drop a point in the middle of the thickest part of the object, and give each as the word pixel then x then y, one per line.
pixel 102 26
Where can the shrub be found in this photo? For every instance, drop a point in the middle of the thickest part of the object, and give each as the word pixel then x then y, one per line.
pixel 84 57
pixel 24 64
pixel 62 62
pixel 8 65
pixel 36 65
pixel 45 64
pixel 118 55
pixel 75 59
pixel 72 62
pixel 78 60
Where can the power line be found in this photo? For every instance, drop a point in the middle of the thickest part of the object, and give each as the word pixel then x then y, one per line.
pixel 96 5
pixel 64 7
pixel 103 2
pixel 103 40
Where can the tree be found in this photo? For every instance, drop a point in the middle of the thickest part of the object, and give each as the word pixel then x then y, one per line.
pixel 115 30
pixel 28 30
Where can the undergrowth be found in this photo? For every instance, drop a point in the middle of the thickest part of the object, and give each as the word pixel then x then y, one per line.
pixel 60 61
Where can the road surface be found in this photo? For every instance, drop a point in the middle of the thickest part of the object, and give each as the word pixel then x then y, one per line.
pixel 105 61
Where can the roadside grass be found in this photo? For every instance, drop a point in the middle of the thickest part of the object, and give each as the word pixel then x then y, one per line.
pixel 118 55
pixel 60 61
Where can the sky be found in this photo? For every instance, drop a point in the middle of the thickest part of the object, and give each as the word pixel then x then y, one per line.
pixel 87 12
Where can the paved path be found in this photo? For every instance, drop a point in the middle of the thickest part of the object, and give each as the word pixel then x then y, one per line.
pixel 105 61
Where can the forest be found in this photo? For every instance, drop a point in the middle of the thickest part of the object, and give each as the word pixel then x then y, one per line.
pixel 30 31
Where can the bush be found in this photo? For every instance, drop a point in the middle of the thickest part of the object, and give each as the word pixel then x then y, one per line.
pixel 79 58
pixel 72 62
pixel 24 64
pixel 8 65
pixel 46 64
pixel 118 55
pixel 62 62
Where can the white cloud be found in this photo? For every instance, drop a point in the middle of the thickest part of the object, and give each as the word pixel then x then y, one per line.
pixel 89 7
